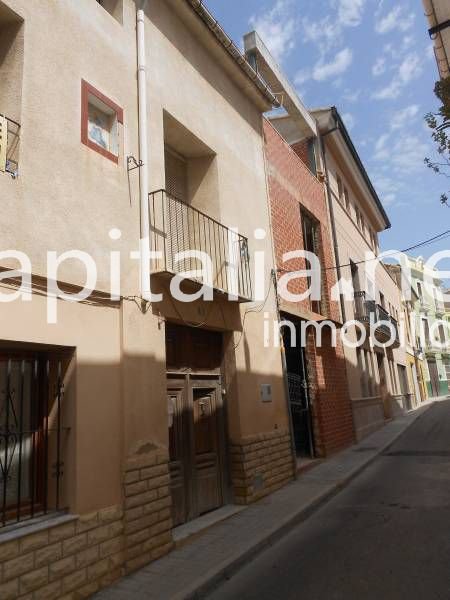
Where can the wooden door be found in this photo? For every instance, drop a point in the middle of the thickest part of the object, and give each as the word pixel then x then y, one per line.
pixel 196 447
pixel 177 443
pixel 206 460
pixel 434 378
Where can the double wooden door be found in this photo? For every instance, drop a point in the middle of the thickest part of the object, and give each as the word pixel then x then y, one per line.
pixel 196 440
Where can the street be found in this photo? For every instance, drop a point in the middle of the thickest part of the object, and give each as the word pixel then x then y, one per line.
pixel 387 535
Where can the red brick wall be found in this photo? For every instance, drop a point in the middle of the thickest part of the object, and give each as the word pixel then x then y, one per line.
pixel 292 187
pixel 301 150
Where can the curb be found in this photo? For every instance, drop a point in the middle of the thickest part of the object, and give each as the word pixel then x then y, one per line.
pixel 224 571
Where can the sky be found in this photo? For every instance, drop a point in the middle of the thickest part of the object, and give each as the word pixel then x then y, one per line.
pixel 374 60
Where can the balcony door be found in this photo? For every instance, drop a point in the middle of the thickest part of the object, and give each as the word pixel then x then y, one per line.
pixel 176 170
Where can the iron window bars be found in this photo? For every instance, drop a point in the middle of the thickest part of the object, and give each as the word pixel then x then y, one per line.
pixel 177 227
pixel 12 145
pixel 31 432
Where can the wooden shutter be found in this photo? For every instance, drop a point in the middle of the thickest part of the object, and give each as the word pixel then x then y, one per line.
pixel 3 142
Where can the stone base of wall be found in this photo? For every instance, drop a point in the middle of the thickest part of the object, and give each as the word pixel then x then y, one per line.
pixel 69 560
pixel 260 464
pixel 368 416
pixel 147 508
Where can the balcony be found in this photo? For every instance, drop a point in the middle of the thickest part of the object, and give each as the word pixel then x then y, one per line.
pixel 439 309
pixel 9 145
pixel 179 227
pixel 370 313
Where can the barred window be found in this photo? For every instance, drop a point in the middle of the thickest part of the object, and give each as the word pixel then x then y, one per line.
pixel 31 432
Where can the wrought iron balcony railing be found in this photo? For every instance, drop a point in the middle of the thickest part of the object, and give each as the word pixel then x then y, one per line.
pixel 178 227
pixel 9 145
pixel 368 312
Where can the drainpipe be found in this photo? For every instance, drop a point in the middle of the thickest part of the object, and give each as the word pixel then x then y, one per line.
pixel 321 137
pixel 144 242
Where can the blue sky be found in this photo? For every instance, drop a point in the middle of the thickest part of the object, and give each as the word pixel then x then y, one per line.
pixel 373 59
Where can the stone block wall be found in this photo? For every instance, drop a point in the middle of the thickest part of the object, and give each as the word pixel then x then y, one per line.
pixel 260 464
pixel 147 509
pixel 71 558
pixel 65 561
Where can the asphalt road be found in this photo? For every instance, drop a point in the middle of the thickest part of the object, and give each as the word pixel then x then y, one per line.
pixel 386 536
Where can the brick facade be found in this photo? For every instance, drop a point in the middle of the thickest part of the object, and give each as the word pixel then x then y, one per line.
pixel 292 187
pixel 260 464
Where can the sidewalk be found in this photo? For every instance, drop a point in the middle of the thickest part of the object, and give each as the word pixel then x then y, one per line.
pixel 197 567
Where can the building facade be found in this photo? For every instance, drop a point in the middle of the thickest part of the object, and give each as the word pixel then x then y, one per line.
pixel 414 350
pixel 123 417
pixel 431 326
pixel 321 415
pixel 437 13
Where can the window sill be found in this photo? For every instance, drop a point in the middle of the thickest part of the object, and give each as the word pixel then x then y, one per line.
pixel 18 530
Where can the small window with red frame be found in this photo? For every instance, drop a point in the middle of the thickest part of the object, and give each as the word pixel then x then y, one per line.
pixel 100 122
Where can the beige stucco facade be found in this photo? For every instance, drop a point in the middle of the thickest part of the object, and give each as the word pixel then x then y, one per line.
pixel 376 375
pixel 67 196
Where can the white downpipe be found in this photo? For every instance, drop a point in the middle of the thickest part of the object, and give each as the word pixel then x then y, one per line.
pixel 144 243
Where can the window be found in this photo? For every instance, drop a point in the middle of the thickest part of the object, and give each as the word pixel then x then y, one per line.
pixel 11 75
pixel 311 242
pixel 312 163
pixel 347 200
pixel 394 385
pixel 419 290
pixel 363 225
pixel 373 237
pixel 114 8
pixel 358 216
pixel 403 379
pixel 31 427
pixel 340 187
pixel 100 122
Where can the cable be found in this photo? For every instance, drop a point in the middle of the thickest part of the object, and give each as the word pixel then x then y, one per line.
pixel 191 323
pixel 437 238
pixel 252 310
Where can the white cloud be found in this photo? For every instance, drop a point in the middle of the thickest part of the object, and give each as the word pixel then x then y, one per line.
pixel 349 120
pixel 395 20
pixel 341 62
pixel 379 67
pixel 302 76
pixel 351 96
pixel 350 12
pixel 410 68
pixel 408 154
pixel 389 199
pixel 387 187
pixel 325 33
pixel 277 28
pixel 389 92
pixel 404 117
pixel 404 153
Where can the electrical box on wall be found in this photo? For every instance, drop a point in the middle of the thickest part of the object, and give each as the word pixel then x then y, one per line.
pixel 266 392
